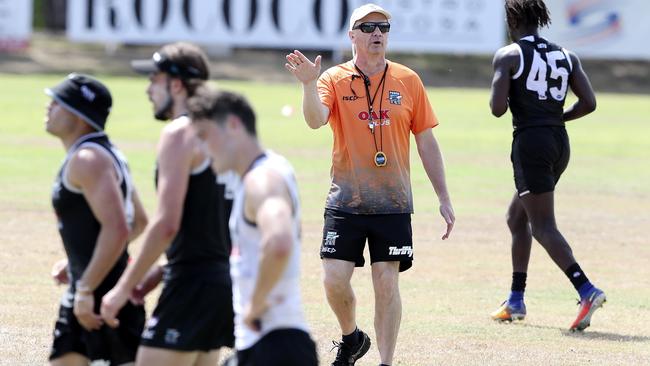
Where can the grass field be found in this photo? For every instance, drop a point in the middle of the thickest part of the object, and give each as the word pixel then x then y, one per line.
pixel 602 206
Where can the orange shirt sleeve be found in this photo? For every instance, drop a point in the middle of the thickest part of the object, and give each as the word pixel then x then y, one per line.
pixel 423 116
pixel 326 90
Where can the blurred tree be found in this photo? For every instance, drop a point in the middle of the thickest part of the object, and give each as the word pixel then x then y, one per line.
pixel 39 16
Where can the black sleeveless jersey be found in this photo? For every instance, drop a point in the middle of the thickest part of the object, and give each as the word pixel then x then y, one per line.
pixel 78 226
pixel 539 88
pixel 203 240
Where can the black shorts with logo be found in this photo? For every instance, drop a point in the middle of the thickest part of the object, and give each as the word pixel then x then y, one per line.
pixel 539 157
pixel 194 313
pixel 281 347
pixel 117 346
pixel 389 236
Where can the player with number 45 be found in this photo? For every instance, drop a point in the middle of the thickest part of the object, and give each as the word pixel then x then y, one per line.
pixel 531 76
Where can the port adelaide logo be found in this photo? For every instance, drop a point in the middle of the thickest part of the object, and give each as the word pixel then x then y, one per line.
pixel 394 97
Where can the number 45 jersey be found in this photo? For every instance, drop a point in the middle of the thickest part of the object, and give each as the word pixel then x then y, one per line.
pixel 539 87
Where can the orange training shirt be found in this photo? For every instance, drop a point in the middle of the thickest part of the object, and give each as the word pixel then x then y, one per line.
pixel 358 185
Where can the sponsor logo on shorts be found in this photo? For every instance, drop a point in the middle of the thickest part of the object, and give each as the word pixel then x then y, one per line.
pixel 405 250
pixel 148 334
pixel 329 242
pixel 171 336
pixel 153 321
pixel 330 239
pixel 149 331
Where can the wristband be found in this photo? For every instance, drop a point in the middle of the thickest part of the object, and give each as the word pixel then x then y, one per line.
pixel 82 289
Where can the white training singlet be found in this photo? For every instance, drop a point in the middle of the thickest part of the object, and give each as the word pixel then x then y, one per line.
pixel 285 305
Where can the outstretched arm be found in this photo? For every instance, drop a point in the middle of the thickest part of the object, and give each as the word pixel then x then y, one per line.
pixel 269 205
pixel 307 72
pixel 581 87
pixel 431 157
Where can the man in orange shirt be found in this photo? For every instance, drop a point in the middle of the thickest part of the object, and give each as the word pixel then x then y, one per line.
pixel 372 106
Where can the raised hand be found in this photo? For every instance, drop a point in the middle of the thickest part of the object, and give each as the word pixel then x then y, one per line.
pixel 302 68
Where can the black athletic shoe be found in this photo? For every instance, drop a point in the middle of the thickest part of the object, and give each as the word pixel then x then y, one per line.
pixel 347 355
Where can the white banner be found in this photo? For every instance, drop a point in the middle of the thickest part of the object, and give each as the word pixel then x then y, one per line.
pixel 601 28
pixel 15 24
pixel 463 26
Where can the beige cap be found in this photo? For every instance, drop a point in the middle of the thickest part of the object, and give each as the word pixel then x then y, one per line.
pixel 366 9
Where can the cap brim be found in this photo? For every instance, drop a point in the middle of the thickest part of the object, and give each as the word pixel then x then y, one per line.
pixel 144 66
pixel 52 93
pixel 358 17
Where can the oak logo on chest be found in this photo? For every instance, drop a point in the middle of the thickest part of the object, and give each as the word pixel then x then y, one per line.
pixel 364 115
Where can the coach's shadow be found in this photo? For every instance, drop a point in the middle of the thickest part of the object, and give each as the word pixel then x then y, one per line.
pixel 594 335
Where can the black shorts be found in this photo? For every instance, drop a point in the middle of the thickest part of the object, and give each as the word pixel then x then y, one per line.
pixel 390 238
pixel 281 347
pixel 118 346
pixel 539 157
pixel 192 314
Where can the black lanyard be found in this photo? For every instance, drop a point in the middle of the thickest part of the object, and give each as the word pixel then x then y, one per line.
pixel 371 101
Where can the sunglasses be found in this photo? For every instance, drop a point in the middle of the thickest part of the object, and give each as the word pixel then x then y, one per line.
pixel 369 27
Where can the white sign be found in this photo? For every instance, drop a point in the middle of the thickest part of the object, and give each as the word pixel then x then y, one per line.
pixel 463 26
pixel 601 28
pixel 15 24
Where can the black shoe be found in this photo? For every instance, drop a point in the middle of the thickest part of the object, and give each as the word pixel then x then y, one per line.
pixel 347 355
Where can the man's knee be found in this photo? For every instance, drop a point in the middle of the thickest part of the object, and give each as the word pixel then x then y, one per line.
pixel 337 275
pixel 334 283
pixel 517 221
pixel 385 278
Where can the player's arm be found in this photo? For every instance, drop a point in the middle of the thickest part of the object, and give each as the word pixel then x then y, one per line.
pixel 268 204
pixel 140 219
pixel 506 59
pixel 581 87
pixel 174 164
pixel 316 114
pixel 434 165
pixel 148 283
pixel 94 174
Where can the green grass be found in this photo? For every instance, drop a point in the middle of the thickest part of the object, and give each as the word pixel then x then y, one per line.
pixel 602 208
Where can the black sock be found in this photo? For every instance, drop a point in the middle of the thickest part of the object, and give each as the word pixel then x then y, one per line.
pixel 518 281
pixel 351 339
pixel 576 275
pixel 383 364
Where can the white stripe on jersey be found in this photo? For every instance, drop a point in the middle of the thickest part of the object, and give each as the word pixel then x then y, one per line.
pixel 120 165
